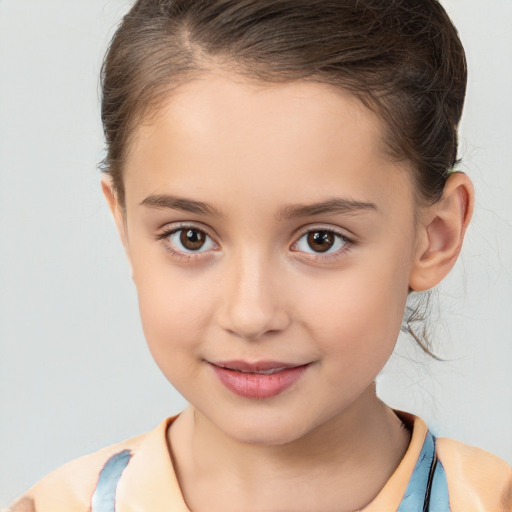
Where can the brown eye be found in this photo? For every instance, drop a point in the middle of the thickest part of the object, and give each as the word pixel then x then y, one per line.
pixel 321 241
pixel 190 239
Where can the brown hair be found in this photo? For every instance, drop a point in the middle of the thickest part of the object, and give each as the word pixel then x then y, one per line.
pixel 402 58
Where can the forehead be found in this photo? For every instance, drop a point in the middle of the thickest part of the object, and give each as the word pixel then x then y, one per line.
pixel 224 132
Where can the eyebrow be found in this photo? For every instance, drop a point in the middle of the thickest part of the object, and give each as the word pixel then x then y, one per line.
pixel 334 205
pixel 180 203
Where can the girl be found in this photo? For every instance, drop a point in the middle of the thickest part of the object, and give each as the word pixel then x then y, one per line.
pixel 282 178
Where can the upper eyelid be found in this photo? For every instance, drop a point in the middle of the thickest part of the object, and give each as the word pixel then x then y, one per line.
pixel 169 229
pixel 173 227
pixel 346 239
pixel 324 227
pixel 326 257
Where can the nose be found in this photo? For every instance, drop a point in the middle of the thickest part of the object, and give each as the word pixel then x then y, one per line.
pixel 252 302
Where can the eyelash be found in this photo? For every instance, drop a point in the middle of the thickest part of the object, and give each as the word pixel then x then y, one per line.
pixel 348 243
pixel 163 238
pixel 316 256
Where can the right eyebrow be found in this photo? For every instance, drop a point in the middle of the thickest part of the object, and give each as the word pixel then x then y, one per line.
pixel 165 201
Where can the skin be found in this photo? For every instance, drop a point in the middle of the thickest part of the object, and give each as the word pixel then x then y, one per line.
pixel 257 291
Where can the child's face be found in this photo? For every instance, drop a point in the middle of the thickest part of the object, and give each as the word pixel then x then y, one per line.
pixel 296 247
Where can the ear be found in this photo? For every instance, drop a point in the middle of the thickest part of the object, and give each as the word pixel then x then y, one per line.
pixel 441 233
pixel 117 210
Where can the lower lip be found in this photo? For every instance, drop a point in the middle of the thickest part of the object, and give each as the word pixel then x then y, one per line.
pixel 258 385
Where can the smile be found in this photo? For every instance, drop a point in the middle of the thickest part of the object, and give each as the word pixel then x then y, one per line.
pixel 257 380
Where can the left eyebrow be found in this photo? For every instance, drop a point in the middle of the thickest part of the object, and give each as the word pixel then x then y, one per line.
pixel 334 205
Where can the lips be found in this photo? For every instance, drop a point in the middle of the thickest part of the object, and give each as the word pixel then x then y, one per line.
pixel 261 380
pixel 261 366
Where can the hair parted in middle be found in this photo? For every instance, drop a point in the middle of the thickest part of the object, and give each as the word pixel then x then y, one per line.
pixel 402 58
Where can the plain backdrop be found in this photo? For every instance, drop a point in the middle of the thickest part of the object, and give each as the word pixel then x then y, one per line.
pixel 75 373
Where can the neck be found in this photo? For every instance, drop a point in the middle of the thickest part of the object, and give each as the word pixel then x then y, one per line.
pixel 346 460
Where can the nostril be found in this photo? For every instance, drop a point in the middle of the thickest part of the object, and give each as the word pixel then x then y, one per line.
pixel 252 324
pixel 251 303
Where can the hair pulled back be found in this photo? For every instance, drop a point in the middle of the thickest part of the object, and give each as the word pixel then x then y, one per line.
pixel 401 58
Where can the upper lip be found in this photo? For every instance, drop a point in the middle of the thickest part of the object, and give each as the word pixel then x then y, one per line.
pixel 259 366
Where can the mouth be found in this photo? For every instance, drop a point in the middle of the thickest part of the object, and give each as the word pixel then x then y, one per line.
pixel 261 367
pixel 260 380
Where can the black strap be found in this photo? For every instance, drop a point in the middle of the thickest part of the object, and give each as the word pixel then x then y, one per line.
pixel 428 491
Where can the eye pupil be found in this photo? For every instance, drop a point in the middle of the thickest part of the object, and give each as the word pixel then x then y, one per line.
pixel 192 239
pixel 321 241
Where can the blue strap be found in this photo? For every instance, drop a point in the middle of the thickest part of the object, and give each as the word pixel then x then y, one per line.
pixel 439 501
pixel 427 490
pixel 104 497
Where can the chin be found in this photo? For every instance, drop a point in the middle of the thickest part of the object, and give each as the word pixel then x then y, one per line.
pixel 263 430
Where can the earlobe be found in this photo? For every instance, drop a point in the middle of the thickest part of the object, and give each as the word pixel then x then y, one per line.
pixel 442 231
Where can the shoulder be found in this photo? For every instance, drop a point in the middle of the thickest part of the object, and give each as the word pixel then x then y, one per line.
pixel 70 487
pixel 477 480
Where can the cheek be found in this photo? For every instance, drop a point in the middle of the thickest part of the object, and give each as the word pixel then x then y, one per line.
pixel 173 308
pixel 357 315
pixel 172 328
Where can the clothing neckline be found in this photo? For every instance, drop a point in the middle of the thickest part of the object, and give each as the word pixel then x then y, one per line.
pixel 150 482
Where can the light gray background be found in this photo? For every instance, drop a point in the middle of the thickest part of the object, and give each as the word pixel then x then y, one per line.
pixel 75 374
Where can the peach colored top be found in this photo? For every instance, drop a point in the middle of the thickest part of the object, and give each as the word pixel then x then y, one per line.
pixel 477 480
